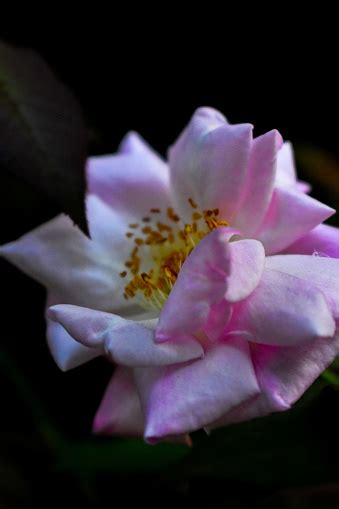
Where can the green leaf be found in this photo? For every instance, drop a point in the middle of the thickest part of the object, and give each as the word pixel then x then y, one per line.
pixel 42 133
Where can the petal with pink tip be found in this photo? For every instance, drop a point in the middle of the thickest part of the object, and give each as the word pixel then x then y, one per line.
pixel 209 164
pixel 321 271
pixel 183 398
pixel 216 270
pixel 290 216
pixel 260 181
pixel 322 240
pixel 283 310
pixel 125 342
pixel 284 374
pixel 120 411
pixel 132 181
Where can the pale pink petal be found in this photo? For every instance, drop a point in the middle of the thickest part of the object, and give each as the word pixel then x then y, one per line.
pixel 209 164
pixel 261 177
pixel 283 310
pixel 286 175
pixel 322 241
pixel 284 374
pixel 60 257
pixel 120 411
pixel 133 143
pixel 286 172
pixel 247 259
pixel 125 342
pixel 132 181
pixel 290 216
pixel 303 187
pixel 182 398
pixel 322 272
pixel 108 231
pixel 67 352
pixel 215 270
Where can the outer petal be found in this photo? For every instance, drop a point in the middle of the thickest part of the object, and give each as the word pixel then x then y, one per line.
pixel 209 163
pixel 216 270
pixel 124 341
pixel 132 181
pixel 260 182
pixel 67 352
pixel 290 216
pixel 322 272
pixel 284 374
pixel 283 310
pixel 64 260
pixel 179 399
pixel 322 241
pixel 120 412
pixel 286 173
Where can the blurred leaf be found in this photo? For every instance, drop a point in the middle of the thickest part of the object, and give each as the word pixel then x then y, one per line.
pixel 291 448
pixel 322 167
pixel 331 374
pixel 331 377
pixel 112 455
pixel 44 426
pixel 42 134
pixel 324 496
pixel 14 489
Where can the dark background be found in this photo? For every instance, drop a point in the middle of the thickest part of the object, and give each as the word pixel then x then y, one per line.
pixel 133 81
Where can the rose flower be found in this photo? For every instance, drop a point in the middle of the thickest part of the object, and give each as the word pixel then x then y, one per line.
pixel 209 281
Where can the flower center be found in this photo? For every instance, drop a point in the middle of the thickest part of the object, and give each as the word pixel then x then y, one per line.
pixel 160 249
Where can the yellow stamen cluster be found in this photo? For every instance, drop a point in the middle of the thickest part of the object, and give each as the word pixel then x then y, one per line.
pixel 166 245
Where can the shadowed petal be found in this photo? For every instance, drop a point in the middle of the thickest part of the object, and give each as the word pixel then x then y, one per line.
pixel 125 342
pixel 120 412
